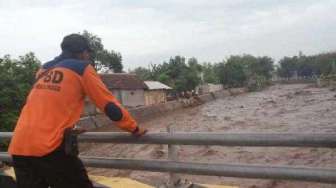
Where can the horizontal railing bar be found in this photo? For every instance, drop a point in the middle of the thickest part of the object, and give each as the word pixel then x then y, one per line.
pixel 221 139
pixel 228 170
pixel 5 157
pixel 5 135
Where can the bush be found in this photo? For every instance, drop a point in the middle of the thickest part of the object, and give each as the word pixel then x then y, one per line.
pixel 257 83
pixel 17 77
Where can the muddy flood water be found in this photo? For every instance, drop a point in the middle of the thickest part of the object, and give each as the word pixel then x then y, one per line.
pixel 297 108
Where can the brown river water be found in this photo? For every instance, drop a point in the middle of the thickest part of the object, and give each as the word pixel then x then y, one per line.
pixel 297 108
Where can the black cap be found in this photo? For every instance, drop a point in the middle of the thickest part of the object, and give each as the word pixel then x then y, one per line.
pixel 75 43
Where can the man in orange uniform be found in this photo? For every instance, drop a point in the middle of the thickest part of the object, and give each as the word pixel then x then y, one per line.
pixel 54 105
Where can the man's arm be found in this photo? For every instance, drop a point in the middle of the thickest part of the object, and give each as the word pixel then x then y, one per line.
pixel 107 103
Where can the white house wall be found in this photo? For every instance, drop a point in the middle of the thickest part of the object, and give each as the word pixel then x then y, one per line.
pixel 132 98
pixel 117 94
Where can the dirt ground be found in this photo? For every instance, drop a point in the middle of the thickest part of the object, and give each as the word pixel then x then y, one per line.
pixel 298 108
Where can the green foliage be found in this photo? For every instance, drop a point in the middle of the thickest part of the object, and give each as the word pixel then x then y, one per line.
pixel 262 66
pixel 110 60
pixel 95 43
pixel 237 71
pixel 175 73
pixel 209 73
pixel 308 66
pixel 143 73
pixel 194 66
pixel 17 78
pixel 104 59
pixel 288 66
pixel 234 72
pixel 164 78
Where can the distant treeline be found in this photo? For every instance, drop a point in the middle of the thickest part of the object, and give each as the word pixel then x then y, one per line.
pixel 307 66
pixel 236 71
pixel 185 75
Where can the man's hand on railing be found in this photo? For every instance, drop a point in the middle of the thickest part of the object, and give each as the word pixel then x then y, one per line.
pixel 139 131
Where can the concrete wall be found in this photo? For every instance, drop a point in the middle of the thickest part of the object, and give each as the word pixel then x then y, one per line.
pixel 294 80
pixel 237 91
pixel 222 94
pixel 326 83
pixel 155 97
pixel 208 88
pixel 89 109
pixel 117 94
pixel 149 112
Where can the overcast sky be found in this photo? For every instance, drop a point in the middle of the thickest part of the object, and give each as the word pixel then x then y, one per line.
pixel 151 31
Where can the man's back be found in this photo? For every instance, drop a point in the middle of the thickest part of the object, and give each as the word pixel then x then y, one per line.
pixel 54 104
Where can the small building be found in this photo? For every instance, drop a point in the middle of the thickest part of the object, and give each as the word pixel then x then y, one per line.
pixel 129 89
pixel 156 92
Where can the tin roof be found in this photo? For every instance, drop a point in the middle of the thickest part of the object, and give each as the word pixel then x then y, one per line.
pixel 123 81
pixel 155 85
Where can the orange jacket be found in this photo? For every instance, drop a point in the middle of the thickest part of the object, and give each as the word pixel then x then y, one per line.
pixel 56 102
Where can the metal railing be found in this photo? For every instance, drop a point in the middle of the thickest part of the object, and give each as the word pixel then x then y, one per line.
pixel 219 139
pixel 323 175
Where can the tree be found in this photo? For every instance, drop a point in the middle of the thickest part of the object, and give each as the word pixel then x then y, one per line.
pixel 308 66
pixel 96 45
pixel 164 78
pixel 263 66
pixel 110 60
pixel 175 67
pixel 104 59
pixel 288 66
pixel 234 71
pixel 184 77
pixel 240 70
pixel 305 66
pixel 192 79
pixel 175 73
pixel 17 78
pixel 194 65
pixel 143 73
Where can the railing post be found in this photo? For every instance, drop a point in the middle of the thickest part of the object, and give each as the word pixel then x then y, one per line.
pixel 172 156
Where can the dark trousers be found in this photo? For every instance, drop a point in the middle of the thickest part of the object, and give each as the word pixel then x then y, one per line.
pixel 55 170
